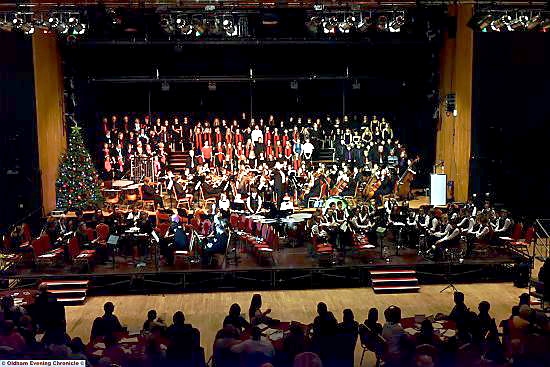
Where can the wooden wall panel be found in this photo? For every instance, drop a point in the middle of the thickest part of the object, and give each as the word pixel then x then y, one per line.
pixel 52 140
pixel 453 144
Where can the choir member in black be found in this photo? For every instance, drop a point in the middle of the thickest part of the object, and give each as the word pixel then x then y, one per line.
pixel 149 193
pixel 278 181
pixel 254 202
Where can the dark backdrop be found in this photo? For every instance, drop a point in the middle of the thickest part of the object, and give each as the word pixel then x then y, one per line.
pixel 511 121
pixel 20 178
pixel 395 76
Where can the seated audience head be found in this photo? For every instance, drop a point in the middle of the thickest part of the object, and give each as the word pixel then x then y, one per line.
pixel 484 308
pixel 347 316
pixel 322 308
pixel 392 314
pixel 178 318
pixel 235 310
pixel 109 308
pixel 372 317
pixel 459 298
pixel 151 315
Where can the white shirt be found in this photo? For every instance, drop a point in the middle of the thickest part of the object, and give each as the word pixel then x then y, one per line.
pixel 307 148
pixel 224 204
pixel 256 134
pixel 287 205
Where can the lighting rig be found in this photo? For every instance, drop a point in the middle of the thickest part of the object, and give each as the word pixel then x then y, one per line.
pixel 68 24
pixel 510 20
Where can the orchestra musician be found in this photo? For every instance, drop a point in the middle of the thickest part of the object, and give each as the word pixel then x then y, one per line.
pixel 148 192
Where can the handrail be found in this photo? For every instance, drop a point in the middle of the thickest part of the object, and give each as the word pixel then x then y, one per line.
pixel 542 227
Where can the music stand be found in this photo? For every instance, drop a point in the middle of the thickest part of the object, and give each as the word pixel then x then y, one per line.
pixel 112 242
pixel 380 232
pixel 447 276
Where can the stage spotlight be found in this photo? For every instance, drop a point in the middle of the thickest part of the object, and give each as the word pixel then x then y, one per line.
pixel 229 27
pixel 519 23
pixel 347 24
pixel 53 22
pixel 79 29
pixel 480 22
pixel 198 26
pixel 534 22
pixel 365 23
pixel 382 24
pixel 17 20
pixel 330 24
pixel 62 27
pixel 501 24
pixel 72 21
pixel 27 28
pixel 115 18
pixel 184 26
pixel 313 24
pixel 397 23
pixel 166 24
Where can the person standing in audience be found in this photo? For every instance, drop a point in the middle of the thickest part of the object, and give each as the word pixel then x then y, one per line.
pixel 325 323
pixel 255 313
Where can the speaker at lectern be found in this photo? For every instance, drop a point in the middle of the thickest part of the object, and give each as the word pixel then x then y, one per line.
pixel 438 189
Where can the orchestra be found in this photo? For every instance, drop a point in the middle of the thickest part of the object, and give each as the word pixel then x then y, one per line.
pixel 266 169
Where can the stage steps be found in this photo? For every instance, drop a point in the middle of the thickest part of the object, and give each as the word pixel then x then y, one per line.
pixel 68 292
pixel 177 161
pixel 394 280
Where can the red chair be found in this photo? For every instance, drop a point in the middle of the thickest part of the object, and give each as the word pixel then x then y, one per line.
pixel 361 246
pixel 80 258
pixel 205 227
pixel 233 221
pixel 161 229
pixel 102 231
pixel 43 255
pixel 522 247
pixel 195 224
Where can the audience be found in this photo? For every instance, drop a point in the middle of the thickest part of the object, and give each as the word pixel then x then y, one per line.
pixel 392 331
pixel 182 338
pixel 235 319
pixel 255 313
pixel 524 340
pixel 325 323
pixel 254 351
pixel 152 321
pixel 372 321
pixel 107 324
pixel 10 337
pixel 295 342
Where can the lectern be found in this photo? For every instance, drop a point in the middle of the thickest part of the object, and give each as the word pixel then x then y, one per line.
pixel 438 189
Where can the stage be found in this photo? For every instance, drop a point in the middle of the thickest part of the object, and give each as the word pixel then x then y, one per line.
pixel 292 268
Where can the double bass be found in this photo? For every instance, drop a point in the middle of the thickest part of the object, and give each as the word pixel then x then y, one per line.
pixel 403 185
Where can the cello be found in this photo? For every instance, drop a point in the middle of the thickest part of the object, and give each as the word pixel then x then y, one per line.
pixel 403 185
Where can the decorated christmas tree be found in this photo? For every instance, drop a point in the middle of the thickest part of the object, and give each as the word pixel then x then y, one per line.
pixel 77 182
